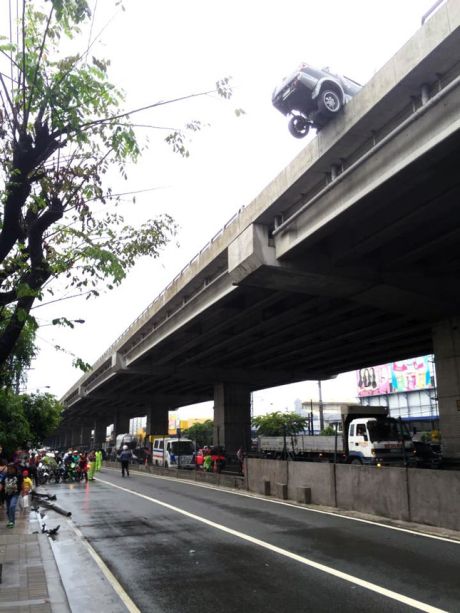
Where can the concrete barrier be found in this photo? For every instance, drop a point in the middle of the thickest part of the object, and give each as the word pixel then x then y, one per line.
pixel 259 471
pixel 435 497
pixel 317 476
pixel 380 491
pixel 429 497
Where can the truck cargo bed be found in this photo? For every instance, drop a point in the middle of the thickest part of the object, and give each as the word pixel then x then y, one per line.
pixel 301 444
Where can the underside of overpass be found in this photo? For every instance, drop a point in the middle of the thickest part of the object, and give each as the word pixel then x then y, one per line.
pixel 366 291
pixel 362 277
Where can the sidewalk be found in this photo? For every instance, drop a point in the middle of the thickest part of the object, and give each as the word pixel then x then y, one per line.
pixel 30 580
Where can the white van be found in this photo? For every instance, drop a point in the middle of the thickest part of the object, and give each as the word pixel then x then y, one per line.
pixel 173 452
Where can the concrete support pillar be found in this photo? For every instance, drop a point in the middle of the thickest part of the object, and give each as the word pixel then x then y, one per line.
pixel 66 439
pixel 157 421
pixel 75 435
pixel 85 435
pixel 120 423
pixel 100 433
pixel 232 416
pixel 446 343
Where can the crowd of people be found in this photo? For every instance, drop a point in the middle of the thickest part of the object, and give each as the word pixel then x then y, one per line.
pixel 24 470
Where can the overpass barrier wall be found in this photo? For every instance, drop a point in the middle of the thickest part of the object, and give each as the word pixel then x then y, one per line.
pixel 425 496
pixel 430 497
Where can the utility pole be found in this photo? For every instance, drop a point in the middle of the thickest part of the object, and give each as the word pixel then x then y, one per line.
pixel 320 405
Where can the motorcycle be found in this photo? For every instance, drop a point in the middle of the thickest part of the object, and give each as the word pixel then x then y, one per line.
pixel 43 474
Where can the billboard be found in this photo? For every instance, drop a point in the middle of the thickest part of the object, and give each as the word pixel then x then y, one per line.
pixel 403 376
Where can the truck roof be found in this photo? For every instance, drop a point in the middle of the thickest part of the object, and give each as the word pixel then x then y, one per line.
pixel 362 410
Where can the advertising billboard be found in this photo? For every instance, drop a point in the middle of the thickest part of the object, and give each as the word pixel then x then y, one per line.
pixel 403 376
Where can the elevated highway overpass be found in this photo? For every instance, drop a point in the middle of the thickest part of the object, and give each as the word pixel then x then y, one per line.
pixel 348 258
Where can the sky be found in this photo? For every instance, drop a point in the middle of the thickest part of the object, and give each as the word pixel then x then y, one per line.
pixel 163 50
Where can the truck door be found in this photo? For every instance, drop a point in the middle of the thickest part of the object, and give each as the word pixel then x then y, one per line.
pixel 361 440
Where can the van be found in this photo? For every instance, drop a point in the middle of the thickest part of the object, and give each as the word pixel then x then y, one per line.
pixel 173 452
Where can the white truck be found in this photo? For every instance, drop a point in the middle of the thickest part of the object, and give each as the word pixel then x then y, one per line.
pixel 369 436
pixel 173 452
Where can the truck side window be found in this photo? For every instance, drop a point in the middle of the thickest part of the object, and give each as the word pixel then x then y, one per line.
pixel 168 447
pixel 352 430
pixel 361 431
pixel 162 444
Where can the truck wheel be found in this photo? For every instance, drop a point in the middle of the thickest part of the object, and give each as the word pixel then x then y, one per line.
pixel 356 461
pixel 298 126
pixel 329 102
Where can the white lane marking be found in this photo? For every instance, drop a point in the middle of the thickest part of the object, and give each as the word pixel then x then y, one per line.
pixel 416 604
pixel 293 506
pixel 129 604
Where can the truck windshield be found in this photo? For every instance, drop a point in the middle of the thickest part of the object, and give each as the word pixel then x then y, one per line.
pixel 387 430
pixel 182 448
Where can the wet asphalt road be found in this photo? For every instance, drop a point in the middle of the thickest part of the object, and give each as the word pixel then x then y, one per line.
pixel 170 562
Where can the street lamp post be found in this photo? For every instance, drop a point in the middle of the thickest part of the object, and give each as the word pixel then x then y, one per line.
pixel 320 405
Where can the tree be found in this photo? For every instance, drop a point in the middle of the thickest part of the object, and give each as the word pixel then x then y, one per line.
pixel 14 371
pixel 27 419
pixel 61 129
pixel 200 433
pixel 14 427
pixel 279 424
pixel 43 413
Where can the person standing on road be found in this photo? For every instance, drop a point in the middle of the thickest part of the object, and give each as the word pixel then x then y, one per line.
pixel 125 457
pixel 91 465
pixel 12 487
pixel 240 456
pixel 98 460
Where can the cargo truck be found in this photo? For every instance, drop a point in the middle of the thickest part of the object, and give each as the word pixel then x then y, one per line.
pixel 368 436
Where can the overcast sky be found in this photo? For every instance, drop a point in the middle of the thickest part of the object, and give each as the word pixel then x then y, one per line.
pixel 160 51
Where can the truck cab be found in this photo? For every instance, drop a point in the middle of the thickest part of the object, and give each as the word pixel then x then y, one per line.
pixel 379 440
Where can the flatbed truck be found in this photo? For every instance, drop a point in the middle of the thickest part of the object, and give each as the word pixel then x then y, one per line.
pixel 368 436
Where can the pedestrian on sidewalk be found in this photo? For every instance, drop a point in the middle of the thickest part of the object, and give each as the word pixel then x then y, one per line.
pixel 32 468
pixel 27 486
pixel 3 471
pixel 125 457
pixel 13 488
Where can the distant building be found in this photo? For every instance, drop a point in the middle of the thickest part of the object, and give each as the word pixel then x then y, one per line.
pixel 331 413
pixel 406 387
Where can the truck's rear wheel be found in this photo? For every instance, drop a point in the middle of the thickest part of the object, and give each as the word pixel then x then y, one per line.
pixel 356 461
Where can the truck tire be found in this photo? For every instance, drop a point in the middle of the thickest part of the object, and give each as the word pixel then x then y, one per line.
pixel 298 126
pixel 329 102
pixel 356 461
